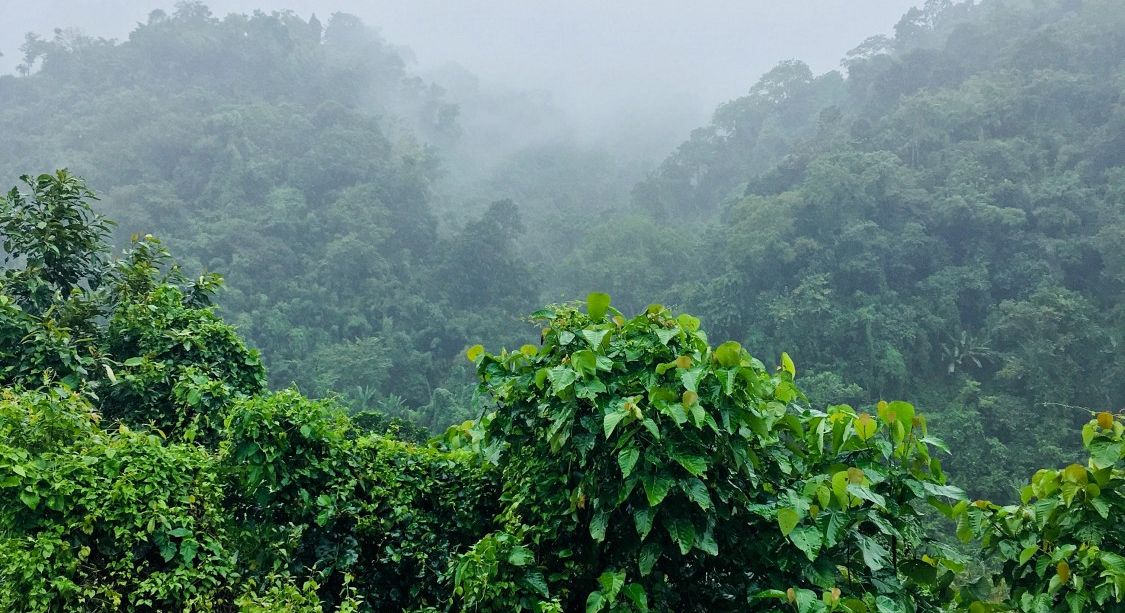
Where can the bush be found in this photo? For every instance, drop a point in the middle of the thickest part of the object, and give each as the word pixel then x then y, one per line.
pixel 105 520
pixel 380 515
pixel 178 364
pixel 1062 548
pixel 644 469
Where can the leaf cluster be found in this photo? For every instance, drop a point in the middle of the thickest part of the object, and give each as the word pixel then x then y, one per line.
pixel 643 468
pixel 1061 548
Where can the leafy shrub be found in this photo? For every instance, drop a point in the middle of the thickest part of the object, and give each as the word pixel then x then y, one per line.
pixel 48 303
pixel 57 234
pixel 381 515
pixel 180 364
pixel 130 333
pixel 104 520
pixel 1062 548
pixel 643 469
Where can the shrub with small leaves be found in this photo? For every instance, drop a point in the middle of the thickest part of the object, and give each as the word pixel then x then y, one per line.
pixel 178 364
pixel 116 520
pixel 380 515
pixel 60 239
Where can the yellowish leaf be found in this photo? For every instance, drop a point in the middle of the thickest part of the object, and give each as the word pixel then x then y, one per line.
pixel 689 399
pixel 1063 570
pixel 787 364
pixel 865 426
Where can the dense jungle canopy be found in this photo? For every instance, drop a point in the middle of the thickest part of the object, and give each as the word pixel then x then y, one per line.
pixel 269 406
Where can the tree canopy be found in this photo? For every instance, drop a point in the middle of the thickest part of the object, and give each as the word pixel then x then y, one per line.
pixel 621 465
pixel 940 221
pixel 936 221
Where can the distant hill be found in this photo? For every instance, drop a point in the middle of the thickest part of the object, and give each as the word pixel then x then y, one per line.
pixel 942 220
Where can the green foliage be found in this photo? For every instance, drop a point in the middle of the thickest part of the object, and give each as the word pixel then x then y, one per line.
pixel 91 519
pixel 939 220
pixel 56 233
pixel 623 465
pixel 131 333
pixel 933 224
pixel 180 365
pixel 54 262
pixel 296 157
pixel 941 223
pixel 1061 548
pixel 372 514
pixel 202 491
pixel 642 468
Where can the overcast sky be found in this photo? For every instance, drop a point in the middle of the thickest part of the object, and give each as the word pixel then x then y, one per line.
pixel 601 56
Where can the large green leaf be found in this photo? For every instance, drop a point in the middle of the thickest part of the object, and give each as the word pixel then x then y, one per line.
pixel 520 556
pixel 787 519
pixel 598 526
pixel 885 604
pixel 30 499
pixel 636 594
pixel 728 354
pixel 534 579
pixel 627 459
pixel 1104 454
pixel 682 531
pixel 696 491
pixel 874 554
pixel 696 465
pixel 642 520
pixel 612 581
pixel 943 491
pixel 687 322
pixel 561 378
pixel 597 304
pixel 594 602
pixel 596 338
pixel 610 421
pixel 902 411
pixel 706 542
pixel 807 539
pixel 585 362
pixel 787 364
pixel 656 488
pixel 650 554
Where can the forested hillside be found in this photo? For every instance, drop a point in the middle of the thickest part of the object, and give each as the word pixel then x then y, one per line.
pixel 293 158
pixel 623 464
pixel 943 222
pixel 940 220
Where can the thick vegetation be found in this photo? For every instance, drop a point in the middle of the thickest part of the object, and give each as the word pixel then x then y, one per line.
pixel 146 467
pixel 255 145
pixel 942 224
pixel 677 476
pixel 939 221
pixel 622 465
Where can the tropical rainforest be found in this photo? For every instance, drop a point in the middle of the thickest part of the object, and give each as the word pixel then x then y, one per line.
pixel 275 337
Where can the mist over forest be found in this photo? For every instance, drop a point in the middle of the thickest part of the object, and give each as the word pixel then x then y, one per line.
pixel 808 307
